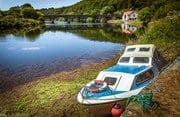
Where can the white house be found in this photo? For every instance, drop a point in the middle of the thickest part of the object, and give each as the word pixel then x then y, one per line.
pixel 129 15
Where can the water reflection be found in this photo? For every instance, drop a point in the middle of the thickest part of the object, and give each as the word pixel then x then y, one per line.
pixel 92 31
pixel 30 35
pixel 128 29
pixel 33 34
pixel 98 32
pixel 28 55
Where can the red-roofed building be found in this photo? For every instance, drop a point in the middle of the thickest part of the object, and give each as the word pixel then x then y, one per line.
pixel 129 15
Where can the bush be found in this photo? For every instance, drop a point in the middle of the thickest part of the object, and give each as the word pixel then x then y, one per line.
pixel 106 10
pixel 29 13
pixel 163 28
pixel 41 17
pixel 118 13
pixel 163 11
pixel 9 22
pixel 15 11
pixel 1 14
pixel 145 15
pixel 164 34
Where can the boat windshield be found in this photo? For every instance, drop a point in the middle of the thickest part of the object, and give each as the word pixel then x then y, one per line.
pixel 124 60
pixel 141 60
pixel 110 80
pixel 131 49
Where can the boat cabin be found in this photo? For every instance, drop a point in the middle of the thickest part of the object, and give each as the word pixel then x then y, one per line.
pixel 146 54
pixel 137 55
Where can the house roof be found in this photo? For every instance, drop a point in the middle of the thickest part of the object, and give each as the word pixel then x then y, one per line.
pixel 146 50
pixel 128 12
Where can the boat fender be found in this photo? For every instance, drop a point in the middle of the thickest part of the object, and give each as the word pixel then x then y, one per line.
pixel 116 110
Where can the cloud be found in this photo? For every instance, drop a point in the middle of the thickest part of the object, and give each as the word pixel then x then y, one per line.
pixel 30 48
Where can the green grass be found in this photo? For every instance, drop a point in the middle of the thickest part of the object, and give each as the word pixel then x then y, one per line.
pixel 39 95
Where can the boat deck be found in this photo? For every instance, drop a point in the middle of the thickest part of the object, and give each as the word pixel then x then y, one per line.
pixel 126 69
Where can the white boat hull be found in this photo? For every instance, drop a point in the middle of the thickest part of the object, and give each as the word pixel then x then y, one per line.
pixel 107 99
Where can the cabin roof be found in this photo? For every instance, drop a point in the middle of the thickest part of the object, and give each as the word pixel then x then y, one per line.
pixel 145 50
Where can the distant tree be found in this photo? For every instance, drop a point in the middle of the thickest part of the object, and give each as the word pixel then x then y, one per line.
pixel 130 3
pixel 145 14
pixel 29 13
pixel 14 11
pixel 95 12
pixel 157 4
pixel 26 5
pixel 1 14
pixel 41 16
pixel 106 10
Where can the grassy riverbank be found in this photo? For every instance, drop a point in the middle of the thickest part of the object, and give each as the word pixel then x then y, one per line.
pixel 53 95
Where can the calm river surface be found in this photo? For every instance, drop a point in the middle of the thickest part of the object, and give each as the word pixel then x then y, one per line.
pixel 26 56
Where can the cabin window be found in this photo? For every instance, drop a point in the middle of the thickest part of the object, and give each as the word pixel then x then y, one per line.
pixel 110 80
pixel 131 49
pixel 124 60
pixel 141 60
pixel 144 76
pixel 144 49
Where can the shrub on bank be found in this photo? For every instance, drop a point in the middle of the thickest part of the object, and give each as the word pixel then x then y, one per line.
pixel 145 14
pixel 9 22
pixel 163 28
pixel 164 34
pixel 165 10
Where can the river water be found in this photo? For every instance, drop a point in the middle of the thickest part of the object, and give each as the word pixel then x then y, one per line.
pixel 25 56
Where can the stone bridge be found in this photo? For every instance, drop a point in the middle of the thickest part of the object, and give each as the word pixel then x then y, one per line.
pixel 83 18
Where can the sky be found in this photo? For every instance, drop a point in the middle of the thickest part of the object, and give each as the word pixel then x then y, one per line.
pixel 37 4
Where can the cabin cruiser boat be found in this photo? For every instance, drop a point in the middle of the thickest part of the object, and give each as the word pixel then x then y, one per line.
pixel 136 68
